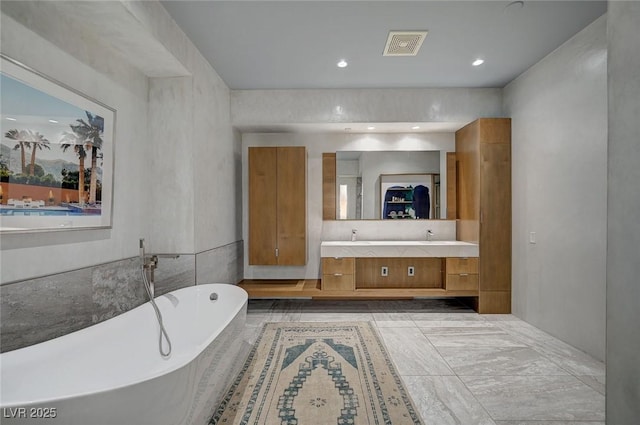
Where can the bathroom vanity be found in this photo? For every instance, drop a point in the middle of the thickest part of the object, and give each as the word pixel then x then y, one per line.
pixel 393 268
pixel 384 270
pixel 474 261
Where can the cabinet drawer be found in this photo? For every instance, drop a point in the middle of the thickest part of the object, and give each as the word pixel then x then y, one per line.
pixel 462 282
pixel 342 265
pixel 456 265
pixel 337 282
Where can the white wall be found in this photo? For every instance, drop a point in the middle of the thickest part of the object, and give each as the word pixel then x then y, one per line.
pixel 623 231
pixel 253 108
pixel 194 181
pixel 316 144
pixel 95 71
pixel 559 132
pixel 193 178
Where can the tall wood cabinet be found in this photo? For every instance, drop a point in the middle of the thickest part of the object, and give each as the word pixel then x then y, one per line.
pixel 483 154
pixel 277 206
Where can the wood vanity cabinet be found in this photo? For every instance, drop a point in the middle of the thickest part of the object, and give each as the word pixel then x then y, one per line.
pixel 338 273
pixel 483 155
pixel 277 206
pixel 461 274
pixel 427 273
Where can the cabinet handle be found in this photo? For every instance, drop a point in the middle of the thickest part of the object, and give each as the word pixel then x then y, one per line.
pixel 464 274
pixel 337 258
pixel 337 274
pixel 277 252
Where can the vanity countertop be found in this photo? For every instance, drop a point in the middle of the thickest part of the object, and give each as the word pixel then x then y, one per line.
pixel 398 249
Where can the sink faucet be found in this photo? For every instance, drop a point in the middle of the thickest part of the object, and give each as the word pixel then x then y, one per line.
pixel 429 234
pixel 353 234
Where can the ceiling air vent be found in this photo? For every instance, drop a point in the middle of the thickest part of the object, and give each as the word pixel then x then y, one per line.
pixel 404 43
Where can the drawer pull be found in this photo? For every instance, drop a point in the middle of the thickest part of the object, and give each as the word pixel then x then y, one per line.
pixel 337 274
pixel 337 258
pixel 464 274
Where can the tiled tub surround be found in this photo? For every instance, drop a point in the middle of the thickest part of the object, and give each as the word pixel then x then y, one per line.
pixel 464 368
pixel 36 310
pixel 222 264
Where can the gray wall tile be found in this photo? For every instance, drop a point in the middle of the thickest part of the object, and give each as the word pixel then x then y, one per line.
pixel 221 265
pixel 40 309
pixel 117 288
pixel 175 273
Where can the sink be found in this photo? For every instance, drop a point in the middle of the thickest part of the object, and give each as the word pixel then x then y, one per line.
pixel 398 249
pixel 394 243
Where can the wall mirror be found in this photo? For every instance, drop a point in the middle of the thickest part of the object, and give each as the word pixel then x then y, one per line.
pixel 375 185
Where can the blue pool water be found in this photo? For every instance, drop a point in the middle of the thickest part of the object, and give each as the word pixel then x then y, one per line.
pixel 39 212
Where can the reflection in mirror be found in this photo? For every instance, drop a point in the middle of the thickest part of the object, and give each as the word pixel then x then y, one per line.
pixel 409 196
pixel 359 179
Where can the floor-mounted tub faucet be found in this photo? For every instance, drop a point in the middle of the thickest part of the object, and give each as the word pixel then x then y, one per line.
pixel 353 234
pixel 429 234
pixel 149 264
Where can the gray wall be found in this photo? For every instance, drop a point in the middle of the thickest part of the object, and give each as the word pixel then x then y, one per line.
pixel 177 167
pixel 251 109
pixel 104 76
pixel 559 146
pixel 623 227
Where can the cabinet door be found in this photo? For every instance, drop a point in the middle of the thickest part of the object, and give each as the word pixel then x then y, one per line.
pixel 292 206
pixel 262 206
pixel 343 265
pixel 495 226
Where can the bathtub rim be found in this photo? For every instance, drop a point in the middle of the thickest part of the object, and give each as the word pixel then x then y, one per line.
pixel 177 364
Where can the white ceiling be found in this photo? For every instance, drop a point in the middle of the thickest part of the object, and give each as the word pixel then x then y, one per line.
pixel 296 44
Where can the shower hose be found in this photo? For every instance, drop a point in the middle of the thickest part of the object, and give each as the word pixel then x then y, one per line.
pixel 163 331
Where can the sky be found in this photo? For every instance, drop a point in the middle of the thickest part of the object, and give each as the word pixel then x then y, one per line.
pixel 23 107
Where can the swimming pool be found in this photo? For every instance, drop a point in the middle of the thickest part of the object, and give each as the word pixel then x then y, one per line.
pixel 40 211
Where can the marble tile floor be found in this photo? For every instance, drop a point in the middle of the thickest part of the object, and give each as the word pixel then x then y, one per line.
pixel 463 368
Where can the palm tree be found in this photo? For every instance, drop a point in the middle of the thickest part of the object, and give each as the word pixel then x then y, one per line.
pixel 91 131
pixel 38 141
pixel 74 140
pixel 22 137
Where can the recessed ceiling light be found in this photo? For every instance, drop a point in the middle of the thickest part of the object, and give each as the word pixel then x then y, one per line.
pixel 342 64
pixel 53 121
pixel 371 127
pixel 11 119
pixel 477 62
pixel 415 127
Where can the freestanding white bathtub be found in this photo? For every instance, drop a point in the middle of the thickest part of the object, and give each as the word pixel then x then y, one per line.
pixel 112 373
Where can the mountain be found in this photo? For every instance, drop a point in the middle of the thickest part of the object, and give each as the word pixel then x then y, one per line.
pixel 50 166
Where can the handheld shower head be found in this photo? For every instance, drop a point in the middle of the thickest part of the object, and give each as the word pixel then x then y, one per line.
pixel 142 254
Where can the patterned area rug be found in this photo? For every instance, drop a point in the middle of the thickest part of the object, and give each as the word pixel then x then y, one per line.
pixel 317 374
